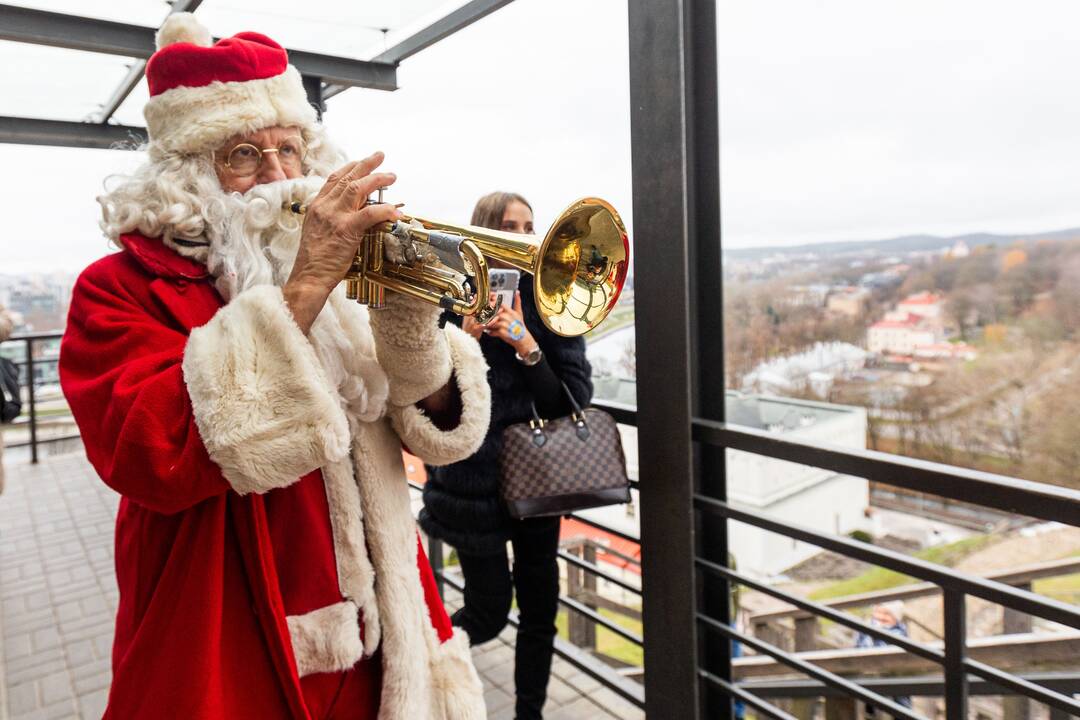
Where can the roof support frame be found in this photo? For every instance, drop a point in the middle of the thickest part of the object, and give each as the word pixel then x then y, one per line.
pixel 35 131
pixel 41 27
pixel 73 32
pixel 136 70
pixel 443 28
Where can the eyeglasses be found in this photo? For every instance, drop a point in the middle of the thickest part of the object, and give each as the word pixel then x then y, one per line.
pixel 245 160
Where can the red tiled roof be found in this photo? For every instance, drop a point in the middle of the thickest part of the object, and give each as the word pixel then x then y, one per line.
pixel 923 298
pixel 572 528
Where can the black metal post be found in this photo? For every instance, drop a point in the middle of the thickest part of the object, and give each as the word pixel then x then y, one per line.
pixel 31 400
pixel 672 83
pixel 435 557
pixel 707 341
pixel 956 691
pixel 313 86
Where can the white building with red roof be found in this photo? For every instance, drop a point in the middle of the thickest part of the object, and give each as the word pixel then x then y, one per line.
pixel 927 305
pixel 900 334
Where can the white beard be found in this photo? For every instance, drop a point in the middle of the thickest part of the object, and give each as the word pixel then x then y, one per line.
pixel 260 237
pixel 258 247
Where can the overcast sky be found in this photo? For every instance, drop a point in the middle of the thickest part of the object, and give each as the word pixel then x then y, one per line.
pixel 841 119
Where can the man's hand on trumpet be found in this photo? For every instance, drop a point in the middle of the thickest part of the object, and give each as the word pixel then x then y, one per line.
pixel 334 224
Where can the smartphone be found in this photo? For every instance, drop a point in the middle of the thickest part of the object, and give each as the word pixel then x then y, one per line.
pixel 504 283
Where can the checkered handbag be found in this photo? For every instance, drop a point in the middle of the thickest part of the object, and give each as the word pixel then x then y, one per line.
pixel 570 463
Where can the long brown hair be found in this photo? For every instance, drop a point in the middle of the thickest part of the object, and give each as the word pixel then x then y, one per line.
pixel 490 209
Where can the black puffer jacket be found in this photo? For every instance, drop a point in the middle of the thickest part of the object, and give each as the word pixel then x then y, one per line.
pixel 461 501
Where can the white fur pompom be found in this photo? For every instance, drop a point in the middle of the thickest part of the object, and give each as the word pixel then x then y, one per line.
pixel 182 27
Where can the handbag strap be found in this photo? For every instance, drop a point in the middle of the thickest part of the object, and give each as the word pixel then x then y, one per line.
pixel 576 414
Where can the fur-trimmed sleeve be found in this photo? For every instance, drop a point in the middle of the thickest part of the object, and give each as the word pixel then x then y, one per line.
pixel 261 401
pixel 443 447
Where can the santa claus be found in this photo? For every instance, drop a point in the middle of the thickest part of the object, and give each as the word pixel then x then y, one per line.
pixel 253 419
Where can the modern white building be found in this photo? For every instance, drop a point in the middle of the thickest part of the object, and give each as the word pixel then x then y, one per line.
pixel 791 493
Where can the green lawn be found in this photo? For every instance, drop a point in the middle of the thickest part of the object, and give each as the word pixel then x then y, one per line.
pixel 1065 588
pixel 608 642
pixel 877 578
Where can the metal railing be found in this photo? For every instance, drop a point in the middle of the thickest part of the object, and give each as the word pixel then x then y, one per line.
pixel 28 362
pixel 961 675
pixel 588 663
pixel 1007 494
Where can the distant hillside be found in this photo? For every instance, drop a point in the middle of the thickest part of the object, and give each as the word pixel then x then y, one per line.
pixel 898 245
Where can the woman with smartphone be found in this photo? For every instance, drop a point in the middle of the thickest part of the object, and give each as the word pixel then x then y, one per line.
pixel 528 364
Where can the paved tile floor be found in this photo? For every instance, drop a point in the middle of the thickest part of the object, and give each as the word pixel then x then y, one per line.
pixel 58 599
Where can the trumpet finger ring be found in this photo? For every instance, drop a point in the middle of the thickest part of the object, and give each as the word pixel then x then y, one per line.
pixel 517 330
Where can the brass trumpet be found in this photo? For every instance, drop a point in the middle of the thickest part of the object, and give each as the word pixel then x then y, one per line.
pixel 579 266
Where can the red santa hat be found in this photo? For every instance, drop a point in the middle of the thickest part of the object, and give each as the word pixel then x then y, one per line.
pixel 201 94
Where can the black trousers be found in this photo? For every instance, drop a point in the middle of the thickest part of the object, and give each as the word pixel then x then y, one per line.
pixel 489 588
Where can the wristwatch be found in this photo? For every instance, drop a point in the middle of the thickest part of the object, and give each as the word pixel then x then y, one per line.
pixel 531 358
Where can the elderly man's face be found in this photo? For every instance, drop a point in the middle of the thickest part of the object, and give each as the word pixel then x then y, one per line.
pixel 271 154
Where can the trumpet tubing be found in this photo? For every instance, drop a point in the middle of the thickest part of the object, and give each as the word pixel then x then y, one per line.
pixel 578 267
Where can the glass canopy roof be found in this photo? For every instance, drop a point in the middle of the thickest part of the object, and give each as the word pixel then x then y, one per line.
pixel 61 84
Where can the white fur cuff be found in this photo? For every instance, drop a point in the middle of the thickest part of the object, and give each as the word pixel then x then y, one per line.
pixel 410 348
pixel 327 639
pixel 458 691
pixel 259 395
pixel 442 447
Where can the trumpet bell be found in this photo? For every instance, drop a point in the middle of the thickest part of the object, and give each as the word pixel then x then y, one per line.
pixel 581 267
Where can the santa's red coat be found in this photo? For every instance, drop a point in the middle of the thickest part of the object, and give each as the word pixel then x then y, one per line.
pixel 206 576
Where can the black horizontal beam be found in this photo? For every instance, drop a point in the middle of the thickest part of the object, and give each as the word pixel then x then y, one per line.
pixel 995 592
pixel 1022 686
pixel 599 619
pixel 41 27
pixel 138 69
pixel 624 414
pixel 912 647
pixel 796 663
pixel 598 571
pixel 593 667
pixel 605 528
pixel 920 686
pixel 461 18
pixel 736 691
pixel 1011 495
pixel 34 131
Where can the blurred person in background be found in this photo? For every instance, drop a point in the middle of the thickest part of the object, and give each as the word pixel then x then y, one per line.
pixel 889 617
pixel 252 418
pixel 528 364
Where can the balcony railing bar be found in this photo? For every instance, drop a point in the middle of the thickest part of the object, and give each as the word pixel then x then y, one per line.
pixel 1011 495
pixel 599 572
pixel 816 608
pixel 601 620
pixel 624 414
pixel 43 441
pixel 595 668
pixel 736 691
pixel 810 669
pixel 949 578
pixel 1023 686
pixel 921 685
pixel 625 688
pixel 605 528
pixel 1016 576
